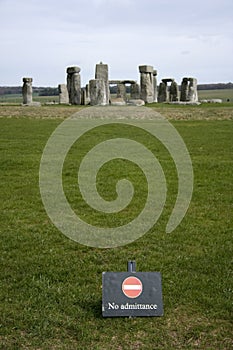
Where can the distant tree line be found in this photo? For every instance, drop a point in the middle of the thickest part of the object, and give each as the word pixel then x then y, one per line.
pixel 41 91
pixel 52 91
pixel 218 86
pixel 48 91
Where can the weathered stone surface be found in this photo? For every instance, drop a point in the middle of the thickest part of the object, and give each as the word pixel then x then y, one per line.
pixel 184 90
pixel 121 91
pixel 185 103
pixel 115 82
pixel 27 80
pixel 135 91
pixel 212 100
pixel 192 96
pixel 118 101
pixel 27 91
pixel 98 92
pixel 189 90
pixel 167 80
pixel 72 70
pixel 101 73
pixel 146 69
pixel 146 83
pixel 155 86
pixel 168 93
pixel 174 92
pixel 32 104
pixel 74 85
pixel 63 94
pixel 136 102
pixel 162 95
pixel 85 96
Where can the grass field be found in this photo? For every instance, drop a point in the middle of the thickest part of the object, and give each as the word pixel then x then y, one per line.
pixel 225 94
pixel 17 98
pixel 50 286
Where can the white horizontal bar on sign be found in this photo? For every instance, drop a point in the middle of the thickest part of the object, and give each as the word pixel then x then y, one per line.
pixel 132 287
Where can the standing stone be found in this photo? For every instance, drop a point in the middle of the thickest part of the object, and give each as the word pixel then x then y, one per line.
pixel 146 83
pixel 121 91
pixel 85 95
pixel 27 91
pixel 63 94
pixel 168 93
pixel 155 86
pixel 162 96
pixel 192 95
pixel 135 91
pixel 98 94
pixel 74 85
pixel 184 90
pixel 189 90
pixel 174 92
pixel 101 73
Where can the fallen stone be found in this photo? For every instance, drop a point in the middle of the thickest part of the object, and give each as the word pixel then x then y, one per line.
pixel 118 101
pixel 213 100
pixel 190 103
pixel 32 104
pixel 137 102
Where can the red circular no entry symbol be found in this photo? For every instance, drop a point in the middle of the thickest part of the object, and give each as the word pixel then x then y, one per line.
pixel 132 287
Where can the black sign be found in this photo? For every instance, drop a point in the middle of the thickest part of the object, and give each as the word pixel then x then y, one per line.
pixel 132 294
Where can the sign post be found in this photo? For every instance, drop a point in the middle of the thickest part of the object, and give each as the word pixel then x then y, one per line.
pixel 131 293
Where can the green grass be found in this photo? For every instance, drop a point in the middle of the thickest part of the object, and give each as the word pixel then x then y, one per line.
pixel 223 94
pixel 50 286
pixel 17 98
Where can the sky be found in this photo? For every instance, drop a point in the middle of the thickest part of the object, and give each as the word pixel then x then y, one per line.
pixel 179 38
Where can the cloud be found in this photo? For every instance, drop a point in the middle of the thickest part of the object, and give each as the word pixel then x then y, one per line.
pixel 42 38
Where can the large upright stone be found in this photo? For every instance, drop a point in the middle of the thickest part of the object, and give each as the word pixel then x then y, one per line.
pixel 155 86
pixel 27 91
pixel 101 73
pixel 184 90
pixel 162 95
pixel 63 94
pixel 189 90
pixel 146 83
pixel 121 91
pixel 174 92
pixel 98 92
pixel 85 95
pixel 135 91
pixel 193 96
pixel 74 85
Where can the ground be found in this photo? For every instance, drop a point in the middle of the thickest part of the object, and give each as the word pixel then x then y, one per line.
pixel 50 295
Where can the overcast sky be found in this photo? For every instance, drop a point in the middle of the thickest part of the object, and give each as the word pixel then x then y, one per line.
pixel 40 38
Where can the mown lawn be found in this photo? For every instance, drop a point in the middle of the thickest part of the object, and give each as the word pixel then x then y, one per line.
pixel 50 286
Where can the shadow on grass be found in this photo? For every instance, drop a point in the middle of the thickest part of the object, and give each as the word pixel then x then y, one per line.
pixel 93 307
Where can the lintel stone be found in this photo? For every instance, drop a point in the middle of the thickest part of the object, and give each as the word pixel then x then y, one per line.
pixel 72 70
pixel 146 69
pixel 168 80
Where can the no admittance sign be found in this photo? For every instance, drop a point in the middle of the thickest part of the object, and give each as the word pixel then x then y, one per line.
pixel 132 294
